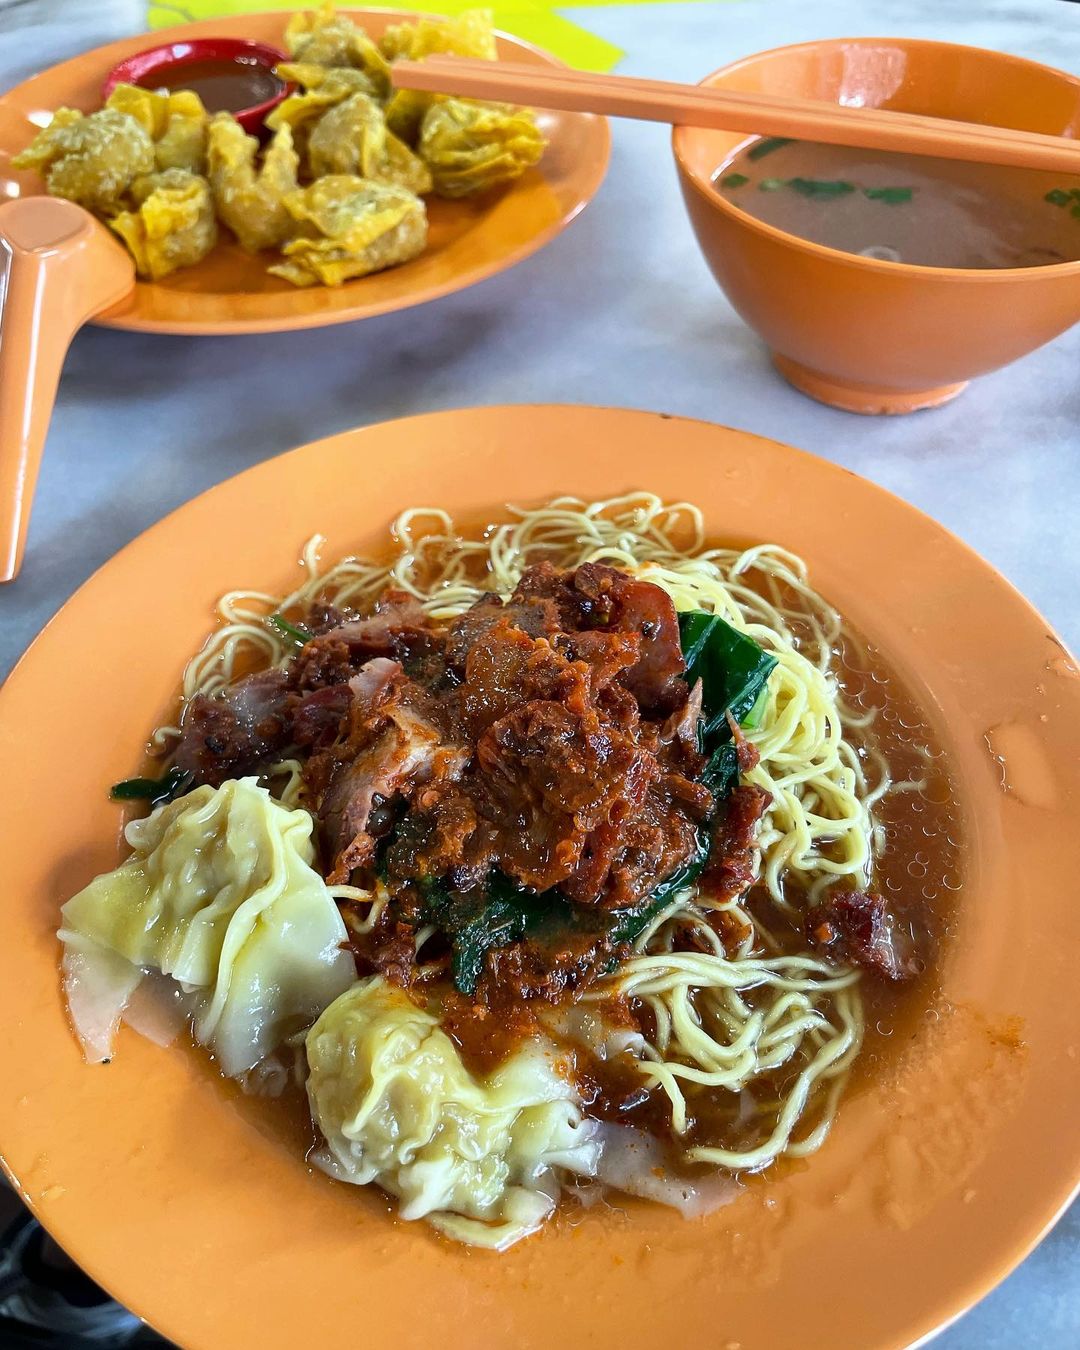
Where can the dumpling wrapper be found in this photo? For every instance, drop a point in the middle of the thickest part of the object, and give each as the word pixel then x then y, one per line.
pixel 90 159
pixel 220 894
pixel 352 139
pixel 349 227
pixel 470 147
pixel 322 88
pixel 251 201
pixel 324 38
pixel 478 1158
pixel 173 224
pixel 175 122
pixel 470 33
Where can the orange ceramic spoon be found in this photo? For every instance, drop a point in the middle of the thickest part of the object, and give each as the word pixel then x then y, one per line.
pixel 58 268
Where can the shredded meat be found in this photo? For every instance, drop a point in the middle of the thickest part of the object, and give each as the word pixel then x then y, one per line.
pixel 732 852
pixel 568 785
pixel 856 928
pixel 550 738
pixel 388 745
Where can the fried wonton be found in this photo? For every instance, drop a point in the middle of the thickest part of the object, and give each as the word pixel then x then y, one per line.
pixel 322 88
pixel 348 227
pixel 323 38
pixel 470 33
pixel 173 223
pixel 251 201
pixel 175 122
pixel 352 139
pixel 473 146
pixel 92 160
pixel 404 111
pixel 467 34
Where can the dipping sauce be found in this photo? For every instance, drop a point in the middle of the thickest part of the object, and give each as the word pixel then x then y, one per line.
pixel 223 84
pixel 906 208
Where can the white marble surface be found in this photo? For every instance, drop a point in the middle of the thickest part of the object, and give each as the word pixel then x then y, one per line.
pixel 620 310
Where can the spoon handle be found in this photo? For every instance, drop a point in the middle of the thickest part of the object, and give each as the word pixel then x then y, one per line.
pixel 58 267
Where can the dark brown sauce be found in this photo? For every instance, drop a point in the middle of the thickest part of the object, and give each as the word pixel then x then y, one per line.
pixel 223 85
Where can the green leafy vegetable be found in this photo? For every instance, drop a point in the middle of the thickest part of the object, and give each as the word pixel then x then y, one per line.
pixel 1075 211
pixel 506 912
pixel 891 196
pixel 821 187
pixel 734 180
pixel 296 633
pixel 500 913
pixel 156 791
pixel 1058 197
pixel 732 669
pixel 767 146
pixel 771 185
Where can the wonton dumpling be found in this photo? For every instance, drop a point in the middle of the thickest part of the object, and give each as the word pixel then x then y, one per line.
pixel 349 227
pixel 175 122
pixel 470 33
pixel 404 111
pixel 173 224
pixel 323 38
pixel 219 893
pixel 251 202
pixel 323 87
pixel 352 138
pixel 93 159
pixel 467 34
pixel 473 146
pixel 396 1106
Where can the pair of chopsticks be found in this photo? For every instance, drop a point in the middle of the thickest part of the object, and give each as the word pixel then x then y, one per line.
pixel 765 114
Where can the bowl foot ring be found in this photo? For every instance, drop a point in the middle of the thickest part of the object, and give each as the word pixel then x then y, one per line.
pixel 851 396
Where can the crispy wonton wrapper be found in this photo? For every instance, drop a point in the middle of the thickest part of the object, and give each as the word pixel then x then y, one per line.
pixel 470 33
pixel 175 122
pixel 467 34
pixel 251 201
pixel 352 139
pixel 323 38
pixel 173 224
pixel 349 227
pixel 322 88
pixel 470 147
pixel 92 160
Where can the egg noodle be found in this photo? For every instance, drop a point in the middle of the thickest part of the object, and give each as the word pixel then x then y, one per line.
pixel 778 1031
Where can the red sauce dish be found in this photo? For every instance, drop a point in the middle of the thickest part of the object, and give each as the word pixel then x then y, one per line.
pixel 229 74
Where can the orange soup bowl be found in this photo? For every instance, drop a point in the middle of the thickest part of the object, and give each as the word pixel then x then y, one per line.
pixel 862 334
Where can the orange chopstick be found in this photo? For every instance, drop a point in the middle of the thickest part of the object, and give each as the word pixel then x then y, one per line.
pixel 765 114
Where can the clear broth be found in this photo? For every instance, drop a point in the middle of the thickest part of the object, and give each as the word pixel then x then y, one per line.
pixel 906 208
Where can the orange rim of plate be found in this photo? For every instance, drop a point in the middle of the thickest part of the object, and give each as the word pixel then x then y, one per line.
pixel 193 1205
pixel 230 292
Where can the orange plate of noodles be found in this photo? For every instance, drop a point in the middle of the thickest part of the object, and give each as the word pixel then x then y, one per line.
pixel 230 291
pixel 953 1145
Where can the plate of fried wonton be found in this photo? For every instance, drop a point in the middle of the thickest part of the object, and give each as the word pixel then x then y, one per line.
pixel 360 200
